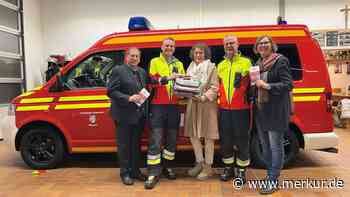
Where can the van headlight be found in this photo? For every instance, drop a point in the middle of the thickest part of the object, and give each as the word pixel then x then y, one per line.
pixel 11 110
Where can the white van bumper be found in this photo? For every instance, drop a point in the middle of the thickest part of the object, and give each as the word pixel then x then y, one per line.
pixel 316 141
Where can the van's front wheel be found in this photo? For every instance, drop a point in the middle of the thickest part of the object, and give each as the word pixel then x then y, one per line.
pixel 42 148
pixel 291 149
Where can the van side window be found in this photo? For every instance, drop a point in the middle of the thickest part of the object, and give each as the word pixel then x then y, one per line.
pixel 147 54
pixel 183 54
pixel 288 50
pixel 93 71
pixel 291 52
pixel 217 53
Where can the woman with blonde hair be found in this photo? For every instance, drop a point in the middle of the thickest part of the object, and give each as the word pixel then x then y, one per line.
pixel 201 113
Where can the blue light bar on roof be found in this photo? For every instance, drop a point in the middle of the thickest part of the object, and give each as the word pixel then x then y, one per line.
pixel 281 20
pixel 139 23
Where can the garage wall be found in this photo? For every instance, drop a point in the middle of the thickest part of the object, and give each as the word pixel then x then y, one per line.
pixel 317 14
pixel 235 13
pixel 33 42
pixel 72 26
pixel 69 27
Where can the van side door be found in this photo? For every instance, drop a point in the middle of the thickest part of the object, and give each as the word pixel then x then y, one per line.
pixel 83 107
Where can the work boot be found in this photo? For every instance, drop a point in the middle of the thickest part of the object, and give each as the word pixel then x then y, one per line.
pixel 151 182
pixel 193 172
pixel 206 172
pixel 269 187
pixel 169 173
pixel 241 175
pixel 139 176
pixel 228 174
pixel 127 180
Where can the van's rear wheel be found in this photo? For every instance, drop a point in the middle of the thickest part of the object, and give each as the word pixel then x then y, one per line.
pixel 291 149
pixel 42 148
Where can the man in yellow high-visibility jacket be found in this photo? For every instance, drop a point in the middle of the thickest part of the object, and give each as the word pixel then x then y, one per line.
pixel 233 73
pixel 165 114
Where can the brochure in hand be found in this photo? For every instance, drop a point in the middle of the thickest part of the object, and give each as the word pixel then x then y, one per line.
pixel 254 74
pixel 144 95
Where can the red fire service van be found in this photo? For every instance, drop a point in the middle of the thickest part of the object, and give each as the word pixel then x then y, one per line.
pixel 70 113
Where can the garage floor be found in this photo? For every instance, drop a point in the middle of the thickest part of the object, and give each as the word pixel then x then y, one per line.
pixel 97 175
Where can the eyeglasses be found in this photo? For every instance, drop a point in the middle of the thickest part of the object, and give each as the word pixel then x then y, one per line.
pixel 230 43
pixel 264 43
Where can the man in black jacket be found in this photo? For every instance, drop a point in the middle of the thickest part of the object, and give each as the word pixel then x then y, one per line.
pixel 124 88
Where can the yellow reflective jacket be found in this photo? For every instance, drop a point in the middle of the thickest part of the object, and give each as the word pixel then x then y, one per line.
pixel 234 82
pixel 159 67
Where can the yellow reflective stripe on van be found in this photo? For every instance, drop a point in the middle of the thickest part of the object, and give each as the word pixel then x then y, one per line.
pixel 306 98
pixel 37 100
pixel 83 106
pixel 308 90
pixel 26 93
pixel 33 108
pixel 203 36
pixel 84 98
pixel 94 149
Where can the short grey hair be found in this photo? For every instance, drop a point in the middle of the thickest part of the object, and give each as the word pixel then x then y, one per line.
pixel 230 36
pixel 168 38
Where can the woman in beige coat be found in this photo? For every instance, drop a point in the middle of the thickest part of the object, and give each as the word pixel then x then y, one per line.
pixel 201 113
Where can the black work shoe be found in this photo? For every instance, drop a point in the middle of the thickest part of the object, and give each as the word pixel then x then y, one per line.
pixel 269 187
pixel 241 175
pixel 140 177
pixel 151 182
pixel 228 174
pixel 169 173
pixel 127 180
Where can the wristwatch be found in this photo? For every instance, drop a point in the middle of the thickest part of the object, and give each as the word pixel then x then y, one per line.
pixel 268 86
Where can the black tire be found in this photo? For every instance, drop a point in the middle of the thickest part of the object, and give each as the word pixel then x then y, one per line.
pixel 291 149
pixel 42 148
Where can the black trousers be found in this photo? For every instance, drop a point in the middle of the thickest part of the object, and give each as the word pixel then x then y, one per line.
pixel 165 121
pixel 128 142
pixel 234 131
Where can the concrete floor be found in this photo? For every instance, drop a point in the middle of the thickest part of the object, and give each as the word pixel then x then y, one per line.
pixel 97 175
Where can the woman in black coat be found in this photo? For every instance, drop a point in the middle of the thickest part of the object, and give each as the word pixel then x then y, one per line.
pixel 272 106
